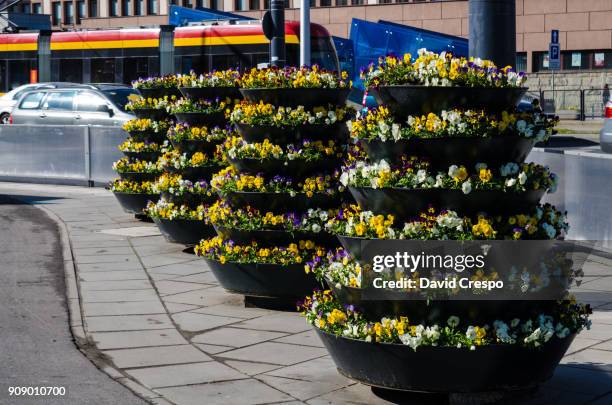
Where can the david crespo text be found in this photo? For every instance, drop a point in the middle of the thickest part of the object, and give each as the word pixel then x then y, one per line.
pixel 424 283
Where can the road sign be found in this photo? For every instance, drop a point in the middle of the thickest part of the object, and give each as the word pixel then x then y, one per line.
pixel 554 36
pixel 554 56
pixel 267 25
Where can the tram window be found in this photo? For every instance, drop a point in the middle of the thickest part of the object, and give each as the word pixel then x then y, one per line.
pixel 31 101
pixel 19 73
pixel 134 68
pixel 197 63
pixel 71 70
pixel 103 70
pixel 220 62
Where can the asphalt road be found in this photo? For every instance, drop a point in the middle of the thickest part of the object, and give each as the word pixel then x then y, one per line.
pixel 36 347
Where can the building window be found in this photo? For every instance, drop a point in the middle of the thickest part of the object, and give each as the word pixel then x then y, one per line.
pixel 325 3
pixel 215 4
pixel 239 5
pixel 521 62
pixel 341 2
pixel 253 4
pixel 152 7
pixel 56 15
pixel 68 13
pixel 37 8
pixel 113 8
pixel 26 8
pixel 199 3
pixel 138 7
pixel 93 8
pixel 81 9
pixel 126 7
pixel 187 3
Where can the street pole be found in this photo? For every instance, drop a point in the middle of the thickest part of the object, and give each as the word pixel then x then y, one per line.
pixel 493 31
pixel 277 43
pixel 305 33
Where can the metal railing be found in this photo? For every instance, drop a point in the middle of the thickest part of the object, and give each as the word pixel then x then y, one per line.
pixel 575 104
pixel 59 154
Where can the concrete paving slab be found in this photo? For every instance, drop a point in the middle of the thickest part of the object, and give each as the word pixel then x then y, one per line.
pixel 235 337
pixel 308 338
pixel 121 296
pixel 185 374
pixel 249 368
pixel 224 393
pixel 128 322
pixel 178 269
pixel 275 353
pixel 176 308
pixel 142 338
pixel 591 358
pixel 131 258
pixel 192 322
pixel 277 322
pixel 113 275
pixel 136 231
pixel 237 311
pixel 93 267
pixel 106 250
pixel 213 349
pixel 167 287
pixel 156 356
pixel 203 297
pixel 580 380
pixel 123 308
pixel 202 277
pixel 115 285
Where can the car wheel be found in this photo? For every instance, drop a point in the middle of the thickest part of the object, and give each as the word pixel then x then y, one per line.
pixel 4 118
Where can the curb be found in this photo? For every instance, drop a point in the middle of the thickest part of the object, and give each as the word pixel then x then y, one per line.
pixel 82 340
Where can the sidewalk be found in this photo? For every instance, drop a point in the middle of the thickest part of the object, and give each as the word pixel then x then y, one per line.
pixel 155 319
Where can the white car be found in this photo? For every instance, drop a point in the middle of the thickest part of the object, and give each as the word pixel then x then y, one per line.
pixel 8 100
pixel 605 136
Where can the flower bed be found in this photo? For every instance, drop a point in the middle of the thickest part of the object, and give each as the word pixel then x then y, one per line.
pixel 220 83
pixel 152 108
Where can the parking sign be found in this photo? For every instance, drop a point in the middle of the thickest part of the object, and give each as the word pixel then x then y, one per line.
pixel 554 56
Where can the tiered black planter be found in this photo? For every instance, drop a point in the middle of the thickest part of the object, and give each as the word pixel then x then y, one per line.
pixel 136 203
pixel 445 369
pixel 442 369
pixel 184 231
pixel 275 281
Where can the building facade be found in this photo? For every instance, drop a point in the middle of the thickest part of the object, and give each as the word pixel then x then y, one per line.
pixel 585 25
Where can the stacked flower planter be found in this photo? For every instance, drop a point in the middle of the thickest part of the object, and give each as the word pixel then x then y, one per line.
pixel 138 170
pixel 281 184
pixel 442 158
pixel 190 155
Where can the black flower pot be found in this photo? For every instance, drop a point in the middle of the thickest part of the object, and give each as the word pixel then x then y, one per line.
pixel 279 202
pixel 197 173
pixel 308 97
pixel 191 146
pixel 406 204
pixel 378 303
pixel 144 156
pixel 148 136
pixel 444 152
pixel 404 100
pixel 184 231
pixel 190 200
pixel 211 93
pixel 154 114
pixel 216 119
pixel 445 369
pixel 160 92
pixel 295 168
pixel 265 280
pixel 275 237
pixel 292 135
pixel 138 176
pixel 135 203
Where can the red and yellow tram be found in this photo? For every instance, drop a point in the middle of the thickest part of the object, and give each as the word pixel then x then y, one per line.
pixel 122 55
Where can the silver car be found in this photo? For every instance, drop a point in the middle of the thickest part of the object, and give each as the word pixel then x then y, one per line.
pixel 8 100
pixel 84 105
pixel 605 135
